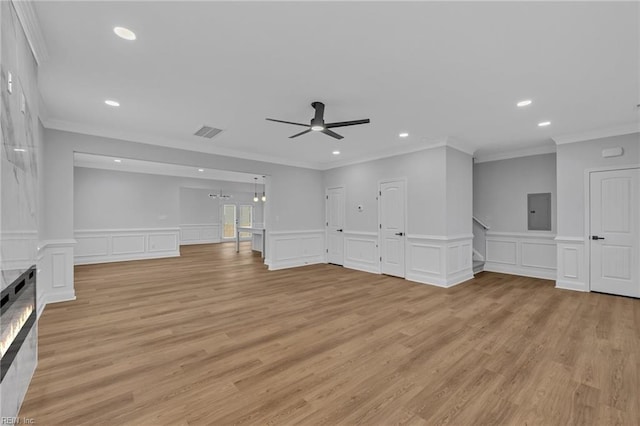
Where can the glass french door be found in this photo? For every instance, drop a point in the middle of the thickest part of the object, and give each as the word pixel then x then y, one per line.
pixel 229 225
pixel 245 219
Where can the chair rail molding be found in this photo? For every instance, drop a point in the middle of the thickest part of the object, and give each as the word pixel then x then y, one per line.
pixel 573 267
pixel 521 253
pixel 290 249
pixel 116 245
pixel 439 260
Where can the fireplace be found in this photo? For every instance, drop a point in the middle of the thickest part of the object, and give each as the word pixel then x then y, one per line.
pixel 17 316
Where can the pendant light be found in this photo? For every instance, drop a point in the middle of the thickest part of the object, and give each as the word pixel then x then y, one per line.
pixel 255 192
pixel 264 186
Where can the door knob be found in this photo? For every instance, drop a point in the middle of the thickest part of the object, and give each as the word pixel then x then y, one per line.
pixel 339 230
pixel 595 237
pixel 400 233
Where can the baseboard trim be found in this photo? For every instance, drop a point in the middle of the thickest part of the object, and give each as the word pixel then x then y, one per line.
pixel 545 274
pixel 363 267
pixel 454 280
pixel 295 263
pixel 573 286
pixel 61 297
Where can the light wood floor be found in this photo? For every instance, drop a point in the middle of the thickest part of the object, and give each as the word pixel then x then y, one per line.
pixel 213 338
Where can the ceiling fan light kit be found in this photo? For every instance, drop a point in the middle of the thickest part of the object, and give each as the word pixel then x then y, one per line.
pixel 317 123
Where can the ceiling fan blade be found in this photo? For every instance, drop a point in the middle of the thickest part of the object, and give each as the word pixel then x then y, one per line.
pixel 346 123
pixel 332 134
pixel 287 122
pixel 299 134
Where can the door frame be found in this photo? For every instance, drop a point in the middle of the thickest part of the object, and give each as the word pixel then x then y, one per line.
pixel 587 212
pixel 406 220
pixel 326 220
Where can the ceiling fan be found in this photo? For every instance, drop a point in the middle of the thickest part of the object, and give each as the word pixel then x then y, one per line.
pixel 318 125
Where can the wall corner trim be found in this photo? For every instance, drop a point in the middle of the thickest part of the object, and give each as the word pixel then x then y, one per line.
pixel 31 26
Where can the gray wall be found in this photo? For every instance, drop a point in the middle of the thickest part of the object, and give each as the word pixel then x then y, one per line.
pixel 426 174
pixel 107 199
pixel 295 195
pixel 573 160
pixel 197 208
pixel 500 190
pixel 459 192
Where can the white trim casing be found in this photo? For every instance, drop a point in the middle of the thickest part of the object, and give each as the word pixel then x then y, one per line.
pixel 290 249
pixel 526 254
pixel 55 282
pixel 204 233
pixel 443 261
pixel 361 251
pixel 572 269
pixel 116 245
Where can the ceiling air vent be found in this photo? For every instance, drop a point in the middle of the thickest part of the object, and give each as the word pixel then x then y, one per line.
pixel 207 132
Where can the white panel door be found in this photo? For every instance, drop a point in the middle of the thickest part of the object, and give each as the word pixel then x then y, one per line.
pixel 392 227
pixel 615 232
pixel 335 225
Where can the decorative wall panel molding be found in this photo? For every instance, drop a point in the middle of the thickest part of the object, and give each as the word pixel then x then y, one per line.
pixel 55 281
pixel 573 270
pixel 530 255
pixel 205 233
pixel 289 249
pixel 439 260
pixel 116 245
pixel 361 251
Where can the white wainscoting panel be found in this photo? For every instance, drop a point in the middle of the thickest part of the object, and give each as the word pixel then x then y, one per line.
pixel 526 254
pixel 361 251
pixel 205 233
pixel 289 249
pixel 442 261
pixel 55 272
pixel 116 245
pixel 572 268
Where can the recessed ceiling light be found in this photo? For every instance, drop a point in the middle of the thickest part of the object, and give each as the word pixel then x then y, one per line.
pixel 19 150
pixel 524 103
pixel 125 33
pixel 117 160
pixel 201 170
pixel 336 152
pixel 543 123
pixel 112 103
pixel 404 135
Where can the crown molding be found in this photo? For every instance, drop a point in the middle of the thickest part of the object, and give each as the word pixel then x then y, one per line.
pixel 597 134
pixel 392 152
pixel 68 126
pixel 525 152
pixel 31 26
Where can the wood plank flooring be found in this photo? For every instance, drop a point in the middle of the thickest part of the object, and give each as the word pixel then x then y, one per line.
pixel 212 337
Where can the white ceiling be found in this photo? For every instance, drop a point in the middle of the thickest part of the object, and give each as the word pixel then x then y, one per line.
pixel 440 71
pixel 151 167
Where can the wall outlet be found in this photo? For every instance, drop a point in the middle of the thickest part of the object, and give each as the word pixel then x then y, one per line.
pixel 9 83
